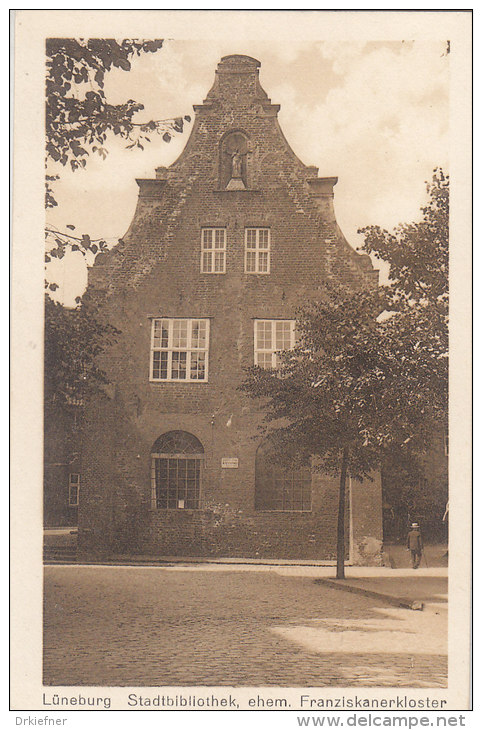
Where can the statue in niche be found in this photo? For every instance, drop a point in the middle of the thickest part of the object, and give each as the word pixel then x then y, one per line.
pixel 234 162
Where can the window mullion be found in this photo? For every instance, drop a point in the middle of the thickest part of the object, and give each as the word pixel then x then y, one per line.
pixel 190 323
pixel 258 268
pixel 153 483
pixel 170 336
pixel 151 363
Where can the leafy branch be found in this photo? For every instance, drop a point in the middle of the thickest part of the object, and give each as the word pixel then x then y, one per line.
pixel 79 119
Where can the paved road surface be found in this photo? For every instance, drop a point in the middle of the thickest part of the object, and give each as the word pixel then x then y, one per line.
pixel 225 625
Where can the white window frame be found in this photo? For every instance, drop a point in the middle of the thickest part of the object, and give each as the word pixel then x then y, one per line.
pixel 212 250
pixel 170 349
pixel 74 485
pixel 257 250
pixel 271 350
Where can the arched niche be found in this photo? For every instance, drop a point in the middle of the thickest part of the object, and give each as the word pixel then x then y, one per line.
pixel 234 148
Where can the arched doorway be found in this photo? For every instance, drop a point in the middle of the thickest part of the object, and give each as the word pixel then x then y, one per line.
pixel 176 470
pixel 280 488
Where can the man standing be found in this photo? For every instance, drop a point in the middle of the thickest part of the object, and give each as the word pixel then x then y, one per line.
pixel 415 544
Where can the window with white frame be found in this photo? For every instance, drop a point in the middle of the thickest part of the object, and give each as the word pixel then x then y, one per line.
pixel 176 471
pixel 272 336
pixel 74 486
pixel 257 251
pixel 213 250
pixel 179 350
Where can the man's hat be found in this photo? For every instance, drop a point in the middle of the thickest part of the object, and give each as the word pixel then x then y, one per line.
pixel 414 524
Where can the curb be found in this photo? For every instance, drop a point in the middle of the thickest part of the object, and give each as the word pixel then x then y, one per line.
pixel 392 600
pixel 168 561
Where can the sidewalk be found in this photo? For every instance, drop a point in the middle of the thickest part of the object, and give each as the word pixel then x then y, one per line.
pixel 425 588
pixel 398 585
pixel 397 556
pixel 422 589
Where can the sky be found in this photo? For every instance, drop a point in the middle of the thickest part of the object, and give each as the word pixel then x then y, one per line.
pixel 373 114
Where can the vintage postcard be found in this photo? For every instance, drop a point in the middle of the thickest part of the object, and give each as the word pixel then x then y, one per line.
pixel 241 441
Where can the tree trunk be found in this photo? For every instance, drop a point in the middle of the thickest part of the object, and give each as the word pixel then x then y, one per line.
pixel 340 533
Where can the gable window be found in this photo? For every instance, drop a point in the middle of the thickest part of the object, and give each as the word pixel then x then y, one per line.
pixel 272 336
pixel 74 486
pixel 179 350
pixel 213 250
pixel 257 251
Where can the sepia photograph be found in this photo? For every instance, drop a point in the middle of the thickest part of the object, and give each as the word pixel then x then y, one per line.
pixel 241 485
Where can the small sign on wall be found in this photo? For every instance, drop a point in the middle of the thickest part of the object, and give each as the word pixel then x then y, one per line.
pixel 229 463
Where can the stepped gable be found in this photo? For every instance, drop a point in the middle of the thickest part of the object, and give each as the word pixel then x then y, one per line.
pixel 225 246
pixel 237 124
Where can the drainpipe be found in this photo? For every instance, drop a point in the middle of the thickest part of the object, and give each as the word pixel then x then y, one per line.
pixel 351 541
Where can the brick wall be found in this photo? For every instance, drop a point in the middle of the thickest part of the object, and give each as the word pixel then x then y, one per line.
pixel 62 447
pixel 154 272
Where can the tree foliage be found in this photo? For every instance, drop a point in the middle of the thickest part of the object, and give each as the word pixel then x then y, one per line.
pixel 411 493
pixel 417 295
pixel 418 256
pixel 79 118
pixel 355 381
pixel 328 396
pixel 417 253
pixel 73 340
pixel 368 377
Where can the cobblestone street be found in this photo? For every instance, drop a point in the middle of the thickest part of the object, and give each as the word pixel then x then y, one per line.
pixel 230 625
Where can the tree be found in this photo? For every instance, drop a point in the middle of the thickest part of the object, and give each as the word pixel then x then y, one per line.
pixel 79 118
pixel 73 340
pixel 417 295
pixel 418 291
pixel 321 401
pixel 368 376
pixel 417 253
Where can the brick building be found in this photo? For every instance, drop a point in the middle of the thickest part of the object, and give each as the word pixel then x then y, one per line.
pixel 62 468
pixel 224 246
